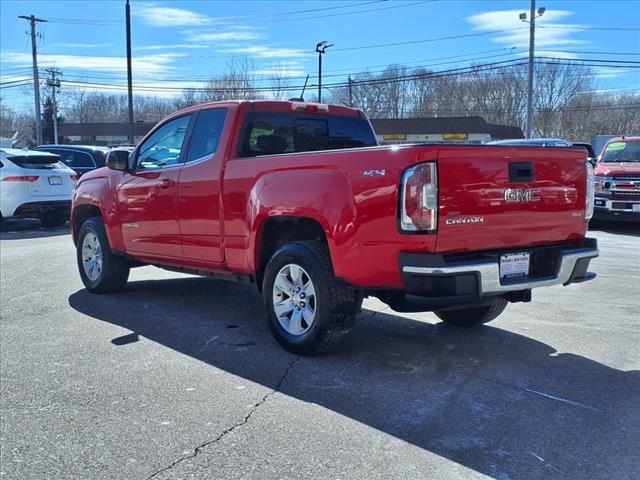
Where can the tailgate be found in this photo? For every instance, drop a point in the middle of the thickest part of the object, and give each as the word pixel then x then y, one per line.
pixel 503 197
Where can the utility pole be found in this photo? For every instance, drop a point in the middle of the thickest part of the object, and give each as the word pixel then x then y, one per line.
pixel 320 48
pixel 532 42
pixel 36 81
pixel 129 74
pixel 350 92
pixel 54 83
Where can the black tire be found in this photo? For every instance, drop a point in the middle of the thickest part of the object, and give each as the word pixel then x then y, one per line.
pixel 51 220
pixel 336 306
pixel 115 269
pixel 467 317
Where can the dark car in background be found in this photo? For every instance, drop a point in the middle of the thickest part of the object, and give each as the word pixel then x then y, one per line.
pixel 81 158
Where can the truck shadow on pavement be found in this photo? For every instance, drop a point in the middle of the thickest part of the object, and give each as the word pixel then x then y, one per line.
pixel 630 229
pixel 27 228
pixel 500 403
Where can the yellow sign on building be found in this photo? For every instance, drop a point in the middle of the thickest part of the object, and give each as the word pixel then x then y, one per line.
pixel 455 136
pixel 394 136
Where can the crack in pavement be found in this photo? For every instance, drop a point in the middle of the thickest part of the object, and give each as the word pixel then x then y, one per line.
pixel 255 407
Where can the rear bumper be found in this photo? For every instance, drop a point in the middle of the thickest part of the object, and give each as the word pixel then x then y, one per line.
pixel 37 209
pixel 571 267
pixel 433 281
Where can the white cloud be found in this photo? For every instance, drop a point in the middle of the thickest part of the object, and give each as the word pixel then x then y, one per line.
pixel 82 45
pixel 170 47
pixel 158 16
pixel 558 35
pixel 223 36
pixel 156 64
pixel 262 51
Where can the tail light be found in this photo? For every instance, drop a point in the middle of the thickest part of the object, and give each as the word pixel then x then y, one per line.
pixel 419 201
pixel 309 107
pixel 590 193
pixel 74 178
pixel 21 178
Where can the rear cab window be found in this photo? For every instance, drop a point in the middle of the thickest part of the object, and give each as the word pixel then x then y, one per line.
pixel 271 133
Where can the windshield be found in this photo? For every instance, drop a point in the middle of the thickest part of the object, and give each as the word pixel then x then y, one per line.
pixel 622 152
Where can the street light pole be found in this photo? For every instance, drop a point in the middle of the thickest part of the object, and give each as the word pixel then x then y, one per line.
pixel 129 74
pixel 54 83
pixel 532 46
pixel 320 48
pixel 36 81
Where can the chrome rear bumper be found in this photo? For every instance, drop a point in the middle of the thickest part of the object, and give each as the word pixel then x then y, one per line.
pixel 573 264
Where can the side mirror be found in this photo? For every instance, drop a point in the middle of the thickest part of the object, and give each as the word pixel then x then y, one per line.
pixel 118 159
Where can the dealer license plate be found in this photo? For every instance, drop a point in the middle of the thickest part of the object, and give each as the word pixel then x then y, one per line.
pixel 55 180
pixel 635 207
pixel 514 265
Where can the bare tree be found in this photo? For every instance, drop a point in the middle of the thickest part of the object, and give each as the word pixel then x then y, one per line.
pixel 280 81
pixel 556 85
pixel 238 83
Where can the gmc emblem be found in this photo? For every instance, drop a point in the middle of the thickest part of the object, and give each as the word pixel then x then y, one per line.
pixel 519 195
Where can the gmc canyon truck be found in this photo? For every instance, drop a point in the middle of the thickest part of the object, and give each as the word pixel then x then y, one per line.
pixel 298 198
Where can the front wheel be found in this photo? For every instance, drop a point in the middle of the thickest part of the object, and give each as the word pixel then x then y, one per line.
pixel 470 316
pixel 100 270
pixel 309 312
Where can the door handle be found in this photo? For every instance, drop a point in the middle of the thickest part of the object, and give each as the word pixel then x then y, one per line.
pixel 166 183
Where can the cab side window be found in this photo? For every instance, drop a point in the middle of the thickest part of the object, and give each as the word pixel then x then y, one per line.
pixel 206 133
pixel 164 147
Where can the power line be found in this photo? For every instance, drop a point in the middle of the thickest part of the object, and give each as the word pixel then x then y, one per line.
pixel 20 80
pixel 457 71
pixel 26 84
pixel 578 27
pixel 473 70
pixel 297 12
pixel 337 72
pixel 265 79
pixel 437 39
pixel 256 18
pixel 442 111
pixel 315 17
pixel 91 21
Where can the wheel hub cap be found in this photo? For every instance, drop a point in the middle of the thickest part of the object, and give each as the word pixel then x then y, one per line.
pixel 294 299
pixel 92 256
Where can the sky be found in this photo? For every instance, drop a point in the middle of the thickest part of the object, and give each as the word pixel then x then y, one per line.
pixel 179 44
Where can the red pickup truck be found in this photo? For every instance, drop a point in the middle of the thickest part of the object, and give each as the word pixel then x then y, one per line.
pixel 617 181
pixel 298 198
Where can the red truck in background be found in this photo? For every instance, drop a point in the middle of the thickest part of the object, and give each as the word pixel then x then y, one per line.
pixel 298 198
pixel 617 181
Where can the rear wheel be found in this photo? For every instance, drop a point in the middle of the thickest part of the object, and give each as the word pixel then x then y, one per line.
pixel 308 311
pixel 470 316
pixel 100 270
pixel 50 220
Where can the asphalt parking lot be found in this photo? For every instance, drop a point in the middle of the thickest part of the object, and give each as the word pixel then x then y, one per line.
pixel 179 378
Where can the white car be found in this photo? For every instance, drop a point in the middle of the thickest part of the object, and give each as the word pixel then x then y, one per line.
pixel 35 185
